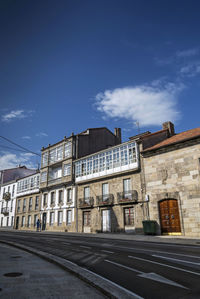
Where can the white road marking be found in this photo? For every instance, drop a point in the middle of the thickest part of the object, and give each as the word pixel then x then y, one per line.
pixel 125 267
pixel 66 243
pixel 116 285
pixel 153 262
pixel 164 252
pixel 152 276
pixel 87 247
pixel 172 259
pixel 159 278
pixel 107 251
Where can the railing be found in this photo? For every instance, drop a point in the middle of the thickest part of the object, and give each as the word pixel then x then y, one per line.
pixel 5 211
pixel 127 197
pixel 105 200
pixel 86 202
pixel 7 196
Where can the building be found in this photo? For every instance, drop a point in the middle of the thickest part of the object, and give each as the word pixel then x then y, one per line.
pixel 28 202
pixel 8 194
pixel 57 185
pixel 171 164
pixel 109 190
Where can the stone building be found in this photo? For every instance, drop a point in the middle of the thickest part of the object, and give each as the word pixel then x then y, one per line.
pixel 28 202
pixel 8 184
pixel 58 206
pixel 171 164
pixel 109 190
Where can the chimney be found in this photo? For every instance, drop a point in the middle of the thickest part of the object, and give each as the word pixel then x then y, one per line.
pixel 117 133
pixel 170 126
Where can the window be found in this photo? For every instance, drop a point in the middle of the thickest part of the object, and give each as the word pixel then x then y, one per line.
pixel 11 208
pixel 43 176
pixel 60 196
pixel 67 169
pixel 23 221
pixel 69 217
pixel 56 154
pixel 129 216
pixel 86 218
pixel 7 221
pixel 29 221
pixel 69 195
pixel 105 191
pixel 18 205
pixel 45 199
pixel 30 203
pixel 127 188
pixel 24 205
pixel 86 192
pixel 45 159
pixel 55 173
pixel 52 198
pixel 51 218
pixel 1 221
pixel 12 220
pixel 13 190
pixel 36 202
pixel 60 218
pixel 35 220
pixel 68 149
pixel 124 154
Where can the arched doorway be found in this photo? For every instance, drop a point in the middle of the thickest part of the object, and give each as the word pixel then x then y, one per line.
pixel 169 216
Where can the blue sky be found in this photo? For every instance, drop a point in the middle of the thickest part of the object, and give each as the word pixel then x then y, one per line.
pixel 71 65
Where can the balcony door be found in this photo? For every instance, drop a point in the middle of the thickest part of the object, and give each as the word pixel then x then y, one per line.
pixel 127 188
pixel 106 221
pixel 105 191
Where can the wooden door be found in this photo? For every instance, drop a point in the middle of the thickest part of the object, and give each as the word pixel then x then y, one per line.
pixel 169 216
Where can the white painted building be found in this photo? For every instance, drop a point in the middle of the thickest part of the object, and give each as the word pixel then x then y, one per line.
pixel 7 204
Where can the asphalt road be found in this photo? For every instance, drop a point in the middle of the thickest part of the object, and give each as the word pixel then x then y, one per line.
pixel 150 270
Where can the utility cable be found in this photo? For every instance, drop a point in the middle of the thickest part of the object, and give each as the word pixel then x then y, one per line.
pixel 14 149
pixel 20 146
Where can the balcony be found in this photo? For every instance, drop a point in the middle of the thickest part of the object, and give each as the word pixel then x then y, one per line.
pixel 7 196
pixel 54 181
pixel 86 202
pixel 5 211
pixel 127 197
pixel 105 200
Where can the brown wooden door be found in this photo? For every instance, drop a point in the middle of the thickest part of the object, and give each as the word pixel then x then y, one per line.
pixel 169 216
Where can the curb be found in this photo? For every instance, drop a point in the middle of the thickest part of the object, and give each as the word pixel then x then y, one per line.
pixel 106 287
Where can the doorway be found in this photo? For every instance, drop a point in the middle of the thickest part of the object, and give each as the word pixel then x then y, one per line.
pixel 44 219
pixel 17 222
pixel 169 216
pixel 106 223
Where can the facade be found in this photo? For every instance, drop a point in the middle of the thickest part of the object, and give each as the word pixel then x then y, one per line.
pixel 109 190
pixel 57 185
pixel 172 180
pixel 8 193
pixel 27 202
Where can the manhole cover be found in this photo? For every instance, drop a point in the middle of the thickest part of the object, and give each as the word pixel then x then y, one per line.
pixel 15 257
pixel 13 274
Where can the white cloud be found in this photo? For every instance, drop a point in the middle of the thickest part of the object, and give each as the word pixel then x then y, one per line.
pixel 187 53
pixel 16 114
pixel 26 137
pixel 41 134
pixel 191 69
pixel 149 105
pixel 9 160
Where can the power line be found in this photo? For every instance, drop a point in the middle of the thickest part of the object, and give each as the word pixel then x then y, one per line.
pixel 25 149
pixel 14 149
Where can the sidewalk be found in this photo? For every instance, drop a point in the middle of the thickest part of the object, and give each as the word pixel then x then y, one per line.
pixel 24 275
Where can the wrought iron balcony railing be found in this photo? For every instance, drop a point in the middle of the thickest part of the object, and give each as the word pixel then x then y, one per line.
pixel 7 196
pixel 127 197
pixel 5 211
pixel 86 202
pixel 105 200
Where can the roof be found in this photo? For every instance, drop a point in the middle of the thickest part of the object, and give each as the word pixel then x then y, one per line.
pixel 177 138
pixel 12 174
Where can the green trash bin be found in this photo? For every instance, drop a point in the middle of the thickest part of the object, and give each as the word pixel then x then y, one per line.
pixel 149 227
